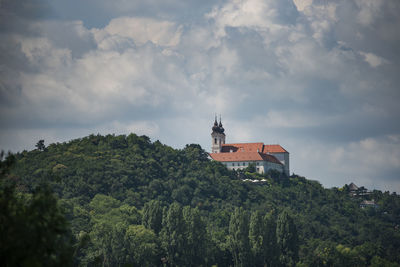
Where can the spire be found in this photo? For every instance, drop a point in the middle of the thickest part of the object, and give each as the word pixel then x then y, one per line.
pixel 215 128
pixel 221 129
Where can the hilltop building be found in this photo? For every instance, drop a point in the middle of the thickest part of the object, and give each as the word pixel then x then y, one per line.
pixel 355 191
pixel 369 204
pixel 239 156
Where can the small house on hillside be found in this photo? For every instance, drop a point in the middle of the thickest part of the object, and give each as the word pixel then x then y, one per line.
pixel 357 191
pixel 368 203
pixel 353 189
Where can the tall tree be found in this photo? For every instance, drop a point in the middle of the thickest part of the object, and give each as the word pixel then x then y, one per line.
pixel 262 235
pixel 196 237
pixel 287 239
pixel 257 238
pixel 173 235
pixel 272 251
pixel 152 215
pixel 239 238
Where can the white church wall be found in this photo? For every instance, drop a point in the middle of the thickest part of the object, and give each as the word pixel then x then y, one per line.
pixel 284 159
pixel 272 166
pixel 261 166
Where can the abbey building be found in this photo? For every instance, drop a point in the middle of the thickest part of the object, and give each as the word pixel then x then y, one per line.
pixel 239 156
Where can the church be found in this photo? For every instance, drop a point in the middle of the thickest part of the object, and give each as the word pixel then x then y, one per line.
pixel 239 156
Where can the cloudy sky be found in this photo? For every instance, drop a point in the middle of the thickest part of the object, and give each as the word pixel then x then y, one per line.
pixel 319 77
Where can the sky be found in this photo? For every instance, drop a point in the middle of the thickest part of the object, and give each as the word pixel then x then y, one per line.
pixel 319 77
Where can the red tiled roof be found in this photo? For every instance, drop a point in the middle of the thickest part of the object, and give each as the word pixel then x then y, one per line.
pixel 248 152
pixel 237 156
pixel 243 147
pixel 252 147
pixel 274 149
pixel 270 158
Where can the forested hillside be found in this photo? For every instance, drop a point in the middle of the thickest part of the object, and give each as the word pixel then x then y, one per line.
pixel 128 201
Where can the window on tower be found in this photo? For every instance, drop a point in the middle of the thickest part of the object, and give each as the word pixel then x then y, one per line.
pixel 215 140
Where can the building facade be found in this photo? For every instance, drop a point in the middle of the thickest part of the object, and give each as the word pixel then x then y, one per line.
pixel 241 155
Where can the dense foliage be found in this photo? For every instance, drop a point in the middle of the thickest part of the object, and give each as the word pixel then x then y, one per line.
pixel 133 202
pixel 33 229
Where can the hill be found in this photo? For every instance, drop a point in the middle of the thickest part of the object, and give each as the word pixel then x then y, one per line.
pixel 131 201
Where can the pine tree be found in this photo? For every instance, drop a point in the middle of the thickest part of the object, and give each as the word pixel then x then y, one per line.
pixel 40 145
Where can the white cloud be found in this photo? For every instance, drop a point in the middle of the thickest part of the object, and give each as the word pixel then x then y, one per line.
pixel 373 60
pixel 322 19
pixel 302 4
pixel 148 128
pixel 290 119
pixel 254 14
pixel 42 53
pixel 106 78
pixel 141 30
pixel 369 10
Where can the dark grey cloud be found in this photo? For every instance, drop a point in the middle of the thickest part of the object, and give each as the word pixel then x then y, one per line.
pixel 29 9
pixel 97 13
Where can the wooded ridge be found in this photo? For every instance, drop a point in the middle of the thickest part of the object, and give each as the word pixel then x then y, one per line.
pixel 126 201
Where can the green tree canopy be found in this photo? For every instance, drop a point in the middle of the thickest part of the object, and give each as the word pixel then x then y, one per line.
pixel 287 239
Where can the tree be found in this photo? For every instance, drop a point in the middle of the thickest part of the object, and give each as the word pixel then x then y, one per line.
pixel 257 239
pixel 40 145
pixel 239 238
pixel 262 235
pixel 33 229
pixel 196 237
pixel 251 168
pixel 152 215
pixel 272 252
pixel 287 240
pixel 379 262
pixel 141 245
pixel 101 236
pixel 173 235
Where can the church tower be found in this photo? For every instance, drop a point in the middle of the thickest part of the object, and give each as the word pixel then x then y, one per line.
pixel 217 136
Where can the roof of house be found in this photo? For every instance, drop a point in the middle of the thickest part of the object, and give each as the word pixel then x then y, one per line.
pixel 244 156
pixel 352 186
pixel 252 147
pixel 274 149
pixel 368 202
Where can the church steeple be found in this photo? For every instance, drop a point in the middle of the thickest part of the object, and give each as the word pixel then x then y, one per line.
pixel 217 136
pixel 215 127
pixel 220 125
